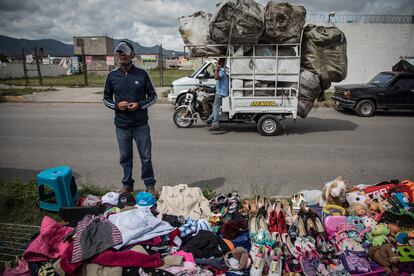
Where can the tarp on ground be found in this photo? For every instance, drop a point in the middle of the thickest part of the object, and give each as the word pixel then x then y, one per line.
pixel 283 23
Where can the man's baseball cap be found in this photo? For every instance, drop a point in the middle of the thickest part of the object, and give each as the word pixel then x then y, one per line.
pixel 126 199
pixel 124 47
pixel 145 199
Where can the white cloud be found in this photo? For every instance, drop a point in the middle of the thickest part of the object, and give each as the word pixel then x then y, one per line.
pixel 147 22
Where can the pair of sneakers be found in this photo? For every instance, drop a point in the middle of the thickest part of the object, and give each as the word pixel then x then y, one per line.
pixel 266 261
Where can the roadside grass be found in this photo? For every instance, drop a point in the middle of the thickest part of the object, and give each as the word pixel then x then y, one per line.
pixel 12 91
pixel 95 80
pixel 19 202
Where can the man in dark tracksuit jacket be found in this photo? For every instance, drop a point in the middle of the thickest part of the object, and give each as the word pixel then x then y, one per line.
pixel 129 91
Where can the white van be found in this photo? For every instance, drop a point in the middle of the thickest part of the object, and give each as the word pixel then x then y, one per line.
pixel 205 74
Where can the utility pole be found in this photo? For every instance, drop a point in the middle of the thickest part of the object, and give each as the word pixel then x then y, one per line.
pixel 26 79
pixel 38 67
pixel 81 44
pixel 161 65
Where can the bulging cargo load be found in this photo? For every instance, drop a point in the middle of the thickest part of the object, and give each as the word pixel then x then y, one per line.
pixel 194 30
pixel 283 23
pixel 243 18
pixel 308 92
pixel 324 53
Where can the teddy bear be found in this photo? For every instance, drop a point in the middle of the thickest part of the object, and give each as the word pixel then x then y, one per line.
pixel 356 197
pixel 381 250
pixel 334 192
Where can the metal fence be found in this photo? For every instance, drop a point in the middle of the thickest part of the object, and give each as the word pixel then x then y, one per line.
pixel 356 18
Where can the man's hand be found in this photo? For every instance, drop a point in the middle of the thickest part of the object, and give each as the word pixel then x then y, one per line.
pixel 133 106
pixel 123 105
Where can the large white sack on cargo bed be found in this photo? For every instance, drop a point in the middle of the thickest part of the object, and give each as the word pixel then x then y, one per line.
pixel 324 53
pixel 195 30
pixel 283 23
pixel 246 16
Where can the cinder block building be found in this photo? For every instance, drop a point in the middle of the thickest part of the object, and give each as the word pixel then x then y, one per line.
pixel 98 51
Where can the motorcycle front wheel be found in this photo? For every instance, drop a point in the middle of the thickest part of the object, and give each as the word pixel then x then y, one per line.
pixel 183 117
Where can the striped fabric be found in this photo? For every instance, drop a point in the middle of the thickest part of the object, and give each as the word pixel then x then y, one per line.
pixel 77 253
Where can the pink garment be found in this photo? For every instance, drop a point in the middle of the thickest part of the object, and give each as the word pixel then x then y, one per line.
pixel 22 269
pixel 127 258
pixel 49 244
pixel 188 257
pixel 186 266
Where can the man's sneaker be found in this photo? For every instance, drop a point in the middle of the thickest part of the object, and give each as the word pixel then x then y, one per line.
pixel 216 128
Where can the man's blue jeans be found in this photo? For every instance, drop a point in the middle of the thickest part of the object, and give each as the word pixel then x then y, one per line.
pixel 142 138
pixel 215 115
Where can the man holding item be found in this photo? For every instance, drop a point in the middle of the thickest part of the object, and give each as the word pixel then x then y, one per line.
pixel 222 90
pixel 129 91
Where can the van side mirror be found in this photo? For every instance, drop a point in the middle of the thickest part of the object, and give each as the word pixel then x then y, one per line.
pixel 200 76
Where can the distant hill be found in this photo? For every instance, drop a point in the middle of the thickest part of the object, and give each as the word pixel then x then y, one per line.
pixel 13 47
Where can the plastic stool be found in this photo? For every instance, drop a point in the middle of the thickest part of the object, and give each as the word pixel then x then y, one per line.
pixel 62 188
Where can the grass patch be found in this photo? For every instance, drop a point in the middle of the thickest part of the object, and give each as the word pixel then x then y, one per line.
pixel 23 91
pixel 19 202
pixel 95 80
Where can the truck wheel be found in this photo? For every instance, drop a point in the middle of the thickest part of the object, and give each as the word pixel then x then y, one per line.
pixel 365 108
pixel 269 125
pixel 183 118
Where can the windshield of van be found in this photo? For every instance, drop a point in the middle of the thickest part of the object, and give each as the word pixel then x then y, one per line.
pixel 382 79
pixel 193 74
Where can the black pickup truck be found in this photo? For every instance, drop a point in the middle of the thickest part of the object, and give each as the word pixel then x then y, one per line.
pixel 387 90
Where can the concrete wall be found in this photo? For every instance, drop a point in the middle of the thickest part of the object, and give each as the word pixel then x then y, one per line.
pixel 15 70
pixel 375 47
pixel 97 45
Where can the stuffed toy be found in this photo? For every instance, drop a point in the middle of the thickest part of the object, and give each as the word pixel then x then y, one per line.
pixel 379 234
pixel 334 192
pixel 356 197
pixel 357 209
pixel 373 207
pixel 381 250
pixel 369 222
pixel 357 222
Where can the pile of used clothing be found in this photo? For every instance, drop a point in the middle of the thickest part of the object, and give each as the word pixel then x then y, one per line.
pixel 246 22
pixel 339 230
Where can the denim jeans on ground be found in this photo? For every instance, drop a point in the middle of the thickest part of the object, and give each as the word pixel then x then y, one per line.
pixel 214 117
pixel 142 138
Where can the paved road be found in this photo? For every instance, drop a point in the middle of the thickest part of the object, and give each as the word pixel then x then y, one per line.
pixel 35 136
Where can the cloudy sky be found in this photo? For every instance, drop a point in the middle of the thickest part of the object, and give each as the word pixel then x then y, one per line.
pixel 148 22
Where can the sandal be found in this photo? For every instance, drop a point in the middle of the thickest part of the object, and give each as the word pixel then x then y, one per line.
pixel 301 227
pixel 233 201
pixel 246 208
pixel 261 223
pixel 291 263
pixel 218 202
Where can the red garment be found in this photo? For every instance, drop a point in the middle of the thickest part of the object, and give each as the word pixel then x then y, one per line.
pixel 49 244
pixel 127 258
pixel 174 234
